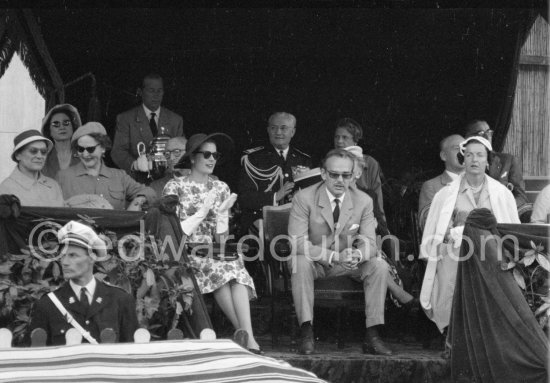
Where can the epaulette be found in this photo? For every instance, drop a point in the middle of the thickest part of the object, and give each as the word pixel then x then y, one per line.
pixel 302 153
pixel 252 150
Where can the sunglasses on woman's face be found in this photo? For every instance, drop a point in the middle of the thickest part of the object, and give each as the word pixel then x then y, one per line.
pixel 57 124
pixel 207 154
pixel 35 151
pixel 89 149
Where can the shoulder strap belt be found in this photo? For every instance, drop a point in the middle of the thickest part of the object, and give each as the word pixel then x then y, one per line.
pixel 70 319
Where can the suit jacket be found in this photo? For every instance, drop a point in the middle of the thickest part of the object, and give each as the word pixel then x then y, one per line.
pixel 253 193
pixel 427 193
pixel 111 307
pixel 311 225
pixel 507 170
pixel 132 127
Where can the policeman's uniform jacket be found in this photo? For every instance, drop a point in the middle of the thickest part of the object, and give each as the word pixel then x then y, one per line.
pixel 111 307
pixel 263 173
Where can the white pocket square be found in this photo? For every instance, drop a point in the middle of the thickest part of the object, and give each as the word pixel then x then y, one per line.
pixel 354 227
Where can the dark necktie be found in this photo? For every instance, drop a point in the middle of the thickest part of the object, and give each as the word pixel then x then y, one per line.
pixel 336 211
pixel 282 155
pixel 153 124
pixel 84 299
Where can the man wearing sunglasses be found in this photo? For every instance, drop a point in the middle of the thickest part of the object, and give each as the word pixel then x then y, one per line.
pixel 504 168
pixel 332 230
pixel 143 123
pixel 266 176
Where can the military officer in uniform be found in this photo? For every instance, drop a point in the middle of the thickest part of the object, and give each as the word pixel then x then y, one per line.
pixel 94 305
pixel 266 175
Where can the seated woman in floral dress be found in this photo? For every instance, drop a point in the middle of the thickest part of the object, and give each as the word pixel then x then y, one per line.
pixel 204 205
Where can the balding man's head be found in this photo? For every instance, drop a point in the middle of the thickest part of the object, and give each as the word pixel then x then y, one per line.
pixel 449 147
pixel 176 149
pixel 281 128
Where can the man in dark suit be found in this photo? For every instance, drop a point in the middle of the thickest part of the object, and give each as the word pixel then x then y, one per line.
pixel 448 149
pixel 332 229
pixel 505 168
pixel 94 305
pixel 266 177
pixel 143 123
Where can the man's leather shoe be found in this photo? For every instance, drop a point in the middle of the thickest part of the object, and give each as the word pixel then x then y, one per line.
pixel 307 344
pixel 376 346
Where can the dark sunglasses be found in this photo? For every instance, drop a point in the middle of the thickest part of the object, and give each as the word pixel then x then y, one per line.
pixel 207 154
pixel 57 124
pixel 89 149
pixel 34 151
pixel 335 175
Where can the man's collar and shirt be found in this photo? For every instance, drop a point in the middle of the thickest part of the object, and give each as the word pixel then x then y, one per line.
pixel 90 289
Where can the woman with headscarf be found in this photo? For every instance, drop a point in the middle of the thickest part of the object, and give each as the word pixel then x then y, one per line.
pixel 442 235
pixel 26 181
pixel 204 205
pixel 58 126
pixel 92 177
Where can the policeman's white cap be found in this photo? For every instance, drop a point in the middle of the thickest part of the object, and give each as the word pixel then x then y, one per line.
pixel 78 234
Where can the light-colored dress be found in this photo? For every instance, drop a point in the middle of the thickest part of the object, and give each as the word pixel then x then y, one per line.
pixel 211 274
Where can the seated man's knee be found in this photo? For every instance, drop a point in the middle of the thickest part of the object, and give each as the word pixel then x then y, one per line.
pixel 375 265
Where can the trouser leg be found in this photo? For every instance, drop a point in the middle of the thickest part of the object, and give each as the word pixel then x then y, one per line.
pixel 302 278
pixel 374 274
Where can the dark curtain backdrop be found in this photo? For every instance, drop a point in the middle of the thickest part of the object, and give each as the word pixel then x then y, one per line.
pixel 410 76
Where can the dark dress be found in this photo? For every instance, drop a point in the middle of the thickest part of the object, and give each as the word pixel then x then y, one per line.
pixel 494 334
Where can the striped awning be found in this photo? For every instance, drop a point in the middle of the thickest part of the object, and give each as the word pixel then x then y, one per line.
pixel 164 361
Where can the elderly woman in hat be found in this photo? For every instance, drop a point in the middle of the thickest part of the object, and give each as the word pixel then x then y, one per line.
pixel 92 177
pixel 348 133
pixel 30 149
pixel 92 304
pixel 204 205
pixel 58 126
pixel 443 232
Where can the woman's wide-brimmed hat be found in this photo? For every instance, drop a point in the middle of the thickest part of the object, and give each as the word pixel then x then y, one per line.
pixel 27 137
pixel 69 110
pixel 485 142
pixel 196 140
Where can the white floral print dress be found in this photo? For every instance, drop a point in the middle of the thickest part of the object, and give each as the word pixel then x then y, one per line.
pixel 211 274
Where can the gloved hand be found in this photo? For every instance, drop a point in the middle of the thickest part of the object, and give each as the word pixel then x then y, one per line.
pixel 456 235
pixel 222 223
pixel 191 223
